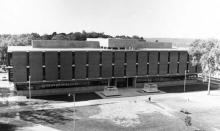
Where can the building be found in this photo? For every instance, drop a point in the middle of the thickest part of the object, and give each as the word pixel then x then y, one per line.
pixel 60 67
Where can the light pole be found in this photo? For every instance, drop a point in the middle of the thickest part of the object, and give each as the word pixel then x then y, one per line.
pixel 74 111
pixel 184 89
pixel 29 87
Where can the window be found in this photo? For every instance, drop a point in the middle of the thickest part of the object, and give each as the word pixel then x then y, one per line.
pixel 187 57
pixel 178 66
pixel 147 69
pixel 28 73
pixel 87 58
pixel 178 56
pixel 168 68
pixel 87 71
pixel 125 68
pixel 158 56
pixel 168 56
pixel 100 57
pixel 148 57
pixel 73 58
pixel 125 58
pixel 100 71
pixel 43 58
pixel 113 57
pixel 137 57
pixel 28 63
pixel 58 57
pixel 58 73
pixel 73 72
pixel 44 74
pixel 113 69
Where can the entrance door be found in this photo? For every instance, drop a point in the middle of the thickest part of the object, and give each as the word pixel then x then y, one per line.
pixel 121 82
pixel 130 82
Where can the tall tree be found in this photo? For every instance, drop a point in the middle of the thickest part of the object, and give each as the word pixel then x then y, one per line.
pixel 207 54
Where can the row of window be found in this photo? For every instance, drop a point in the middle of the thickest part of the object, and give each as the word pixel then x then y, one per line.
pixel 113 71
pixel 100 58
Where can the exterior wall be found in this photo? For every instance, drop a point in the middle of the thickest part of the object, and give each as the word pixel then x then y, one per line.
pixel 153 62
pixel 119 64
pixel 80 65
pixel 106 64
pixel 51 68
pixel 94 59
pixel 131 63
pixel 36 70
pixel 66 65
pixel 142 63
pixel 97 64
pixel 183 62
pixel 173 62
pixel 163 62
pixel 19 61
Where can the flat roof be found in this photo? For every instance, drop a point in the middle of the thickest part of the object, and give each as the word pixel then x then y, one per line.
pixel 30 48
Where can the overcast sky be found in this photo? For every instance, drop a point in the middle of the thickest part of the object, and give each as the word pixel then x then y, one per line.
pixel 148 18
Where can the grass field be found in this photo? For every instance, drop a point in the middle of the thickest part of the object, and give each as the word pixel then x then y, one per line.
pixel 123 114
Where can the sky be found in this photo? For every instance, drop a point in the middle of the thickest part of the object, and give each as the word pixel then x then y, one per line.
pixel 147 18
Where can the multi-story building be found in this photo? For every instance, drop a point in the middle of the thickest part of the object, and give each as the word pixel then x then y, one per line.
pixel 59 67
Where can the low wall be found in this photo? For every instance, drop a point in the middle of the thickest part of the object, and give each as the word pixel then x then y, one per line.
pixel 169 83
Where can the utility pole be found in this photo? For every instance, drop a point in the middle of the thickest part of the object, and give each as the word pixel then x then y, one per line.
pixel 74 113
pixel 184 89
pixel 209 83
pixel 29 87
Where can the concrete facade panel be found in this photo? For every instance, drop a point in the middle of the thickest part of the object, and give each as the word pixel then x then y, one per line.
pixel 142 63
pixel 173 62
pixel 94 59
pixel 153 62
pixel 131 63
pixel 20 63
pixel 119 64
pixel 80 65
pixel 51 68
pixel 36 69
pixel 163 62
pixel 183 62
pixel 65 65
pixel 107 64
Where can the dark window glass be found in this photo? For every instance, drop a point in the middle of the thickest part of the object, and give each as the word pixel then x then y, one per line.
pixel 187 57
pixel 178 66
pixel 178 56
pixel 100 57
pixel 87 58
pixel 28 73
pixel 113 69
pixel 125 68
pixel 113 57
pixel 58 73
pixel 100 71
pixel 58 55
pixel 125 59
pixel 44 74
pixel 148 56
pixel 168 68
pixel 137 57
pixel 168 56
pixel 28 63
pixel 43 59
pixel 87 71
pixel 147 69
pixel 158 56
pixel 73 72
pixel 73 58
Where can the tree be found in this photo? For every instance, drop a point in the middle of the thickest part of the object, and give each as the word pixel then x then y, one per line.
pixel 206 53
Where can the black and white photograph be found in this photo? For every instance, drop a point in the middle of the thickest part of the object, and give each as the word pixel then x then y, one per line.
pixel 109 65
